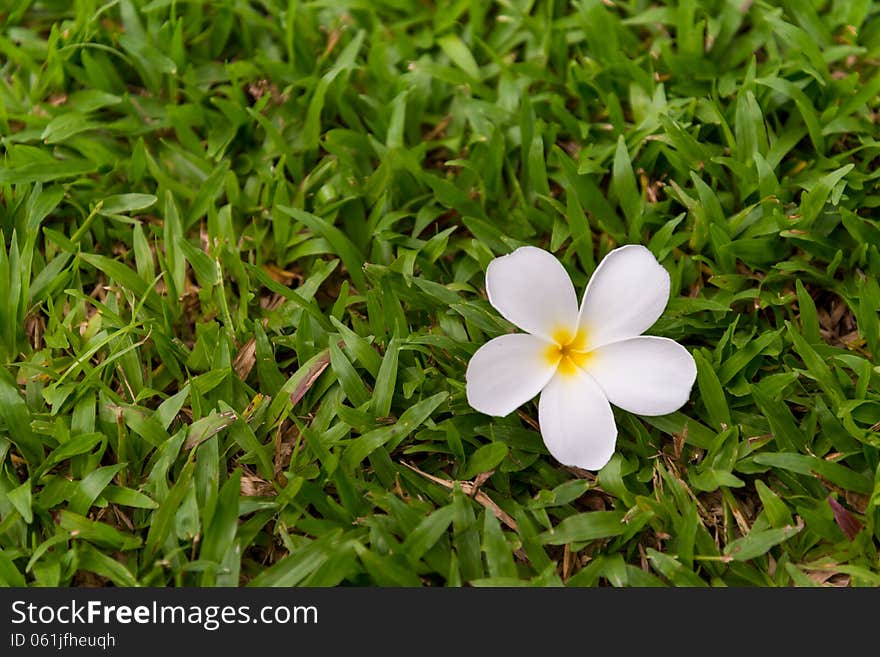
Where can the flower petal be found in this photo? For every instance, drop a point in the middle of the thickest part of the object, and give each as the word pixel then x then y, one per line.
pixel 576 421
pixel 625 296
pixel 645 375
pixel 531 289
pixel 507 372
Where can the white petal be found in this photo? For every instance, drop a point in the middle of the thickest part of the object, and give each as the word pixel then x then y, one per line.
pixel 625 296
pixel 645 375
pixel 576 421
pixel 507 372
pixel 531 289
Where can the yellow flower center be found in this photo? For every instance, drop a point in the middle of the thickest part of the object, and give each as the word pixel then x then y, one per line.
pixel 569 352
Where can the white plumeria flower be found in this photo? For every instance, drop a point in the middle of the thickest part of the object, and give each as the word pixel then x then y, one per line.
pixel 579 359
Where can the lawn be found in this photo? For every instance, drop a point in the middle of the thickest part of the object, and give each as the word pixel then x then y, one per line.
pixel 243 272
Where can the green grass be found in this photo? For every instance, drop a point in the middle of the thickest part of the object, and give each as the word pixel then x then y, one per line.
pixel 243 273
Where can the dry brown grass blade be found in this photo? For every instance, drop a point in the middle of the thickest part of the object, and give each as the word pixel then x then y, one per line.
pixel 826 573
pixel 844 519
pixel 254 486
pixel 469 489
pixel 304 385
pixel 245 359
